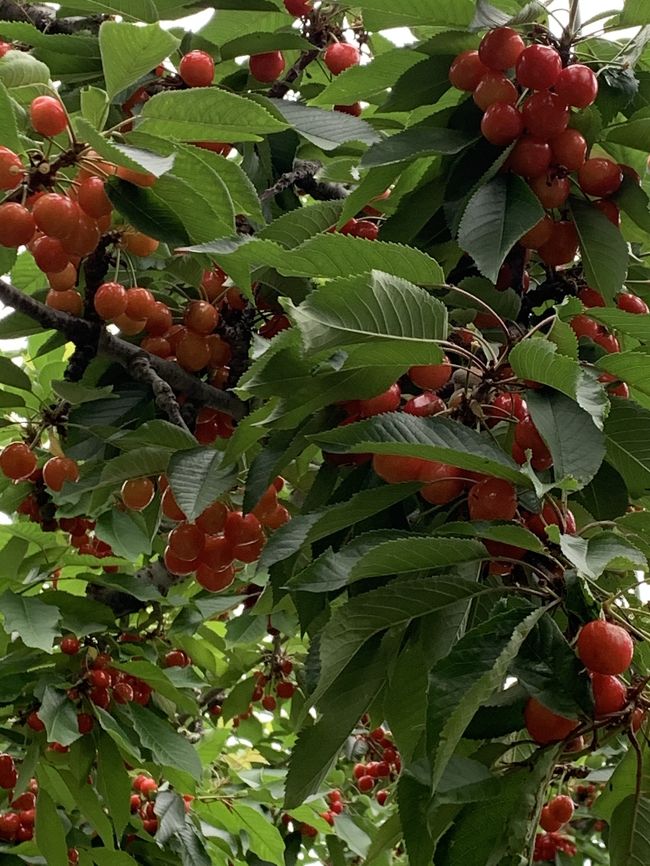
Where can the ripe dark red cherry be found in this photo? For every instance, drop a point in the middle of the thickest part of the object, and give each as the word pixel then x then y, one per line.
pixel 431 376
pixel 591 298
pixel 600 177
pixel 495 87
pixel 70 645
pixel 506 407
pixel 48 116
pixel 569 149
pixel 424 405
pixel 8 773
pixel 501 48
pixel 137 493
pixel 11 169
pixel 545 726
pixel 527 438
pixel 538 67
pixel 110 301
pixel 197 69
pixel 562 808
pixel 610 695
pixel 632 304
pixel 58 470
pixel 466 71
pixel 492 499
pixel 502 124
pixel 545 115
pixel 577 85
pixel 548 821
pixel 299 8
pixel 201 317
pixel 530 157
pixel 551 191
pixel 562 246
pixel 444 483
pixel 610 209
pixel 583 326
pixel 604 647
pixel 395 469
pixel 267 67
pixel 186 541
pixel 340 56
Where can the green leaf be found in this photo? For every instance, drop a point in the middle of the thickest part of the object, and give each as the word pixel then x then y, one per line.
pixel 606 550
pixel 59 716
pixel 18 69
pixel 506 533
pixel 538 359
pixel 90 806
pixel 637 326
pixel 168 748
pixel 104 857
pixel 148 211
pixel 310 527
pixel 631 367
pixel 432 439
pixel 627 436
pixel 197 479
pixel 378 554
pixel 12 375
pixel 325 129
pixel 8 127
pixel 160 683
pixel 50 834
pixel 414 143
pixel 497 215
pixel 94 106
pixel 121 154
pixel 130 51
pixel 206 114
pixel 340 708
pixel 629 839
pixel 297 226
pixel 113 782
pixel 551 671
pixel 133 464
pixel 373 612
pixel 364 82
pixel 576 444
pixel 35 622
pixel 127 532
pixel 427 12
pixel 379 309
pixel 474 668
pixel 602 247
pixel 606 497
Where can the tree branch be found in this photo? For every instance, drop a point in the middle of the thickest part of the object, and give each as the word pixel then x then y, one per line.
pixel 141 370
pixel 83 333
pixel 44 18
pixel 282 87
pixel 304 176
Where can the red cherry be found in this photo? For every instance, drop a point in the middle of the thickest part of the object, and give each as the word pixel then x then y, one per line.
pixel 148 787
pixel 561 807
pixel 340 56
pixel 548 821
pixel 17 461
pixel 9 826
pixel 431 376
pixel 49 255
pixel 492 499
pixel 395 469
pixel 610 695
pixel 466 71
pixel 631 304
pixel 70 645
pixel 600 177
pixel 215 580
pixel 530 157
pixel 285 689
pixel 382 796
pixel 545 726
pixel 591 298
pixel 213 519
pixel 552 192
pixel 64 280
pixel 159 319
pixel 8 772
pixel 388 401
pixel 200 317
pixel 444 483
pixel 500 48
pixel 196 69
pixel 267 67
pixel 506 407
pixel 176 659
pixel 123 693
pixel 34 722
pixel 610 209
pixel 48 116
pixel 12 170
pixel 85 723
pixel 186 541
pixel 604 647
pixel 17 225
pixel 100 697
pixel 583 326
pixel 69 302
pixel 139 303
pixel 92 198
pixel 365 783
pixel 58 470
pixel 269 703
pixel 545 115
pixel 528 439
pixel 56 215
pixel 577 85
pixel 299 8
pixel 242 529
pixel 569 149
pixel 608 342
pixel 495 87
pixel 137 493
pixel 170 507
pixel 562 246
pixel 424 405
pixel 538 67
pixel 193 352
pixel 502 124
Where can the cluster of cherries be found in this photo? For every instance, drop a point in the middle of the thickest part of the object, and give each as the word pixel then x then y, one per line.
pixel 548 844
pixel 17 824
pixel 606 650
pixel 209 546
pixel 526 96
pixel 271 684
pixel 386 764
pixel 335 806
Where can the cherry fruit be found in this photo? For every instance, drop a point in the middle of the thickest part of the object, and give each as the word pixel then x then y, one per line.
pixel 604 647
pixel 197 69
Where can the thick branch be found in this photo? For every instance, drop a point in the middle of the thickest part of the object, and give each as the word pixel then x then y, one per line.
pixel 304 177
pixel 141 370
pixel 84 333
pixel 44 18
pixel 281 88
